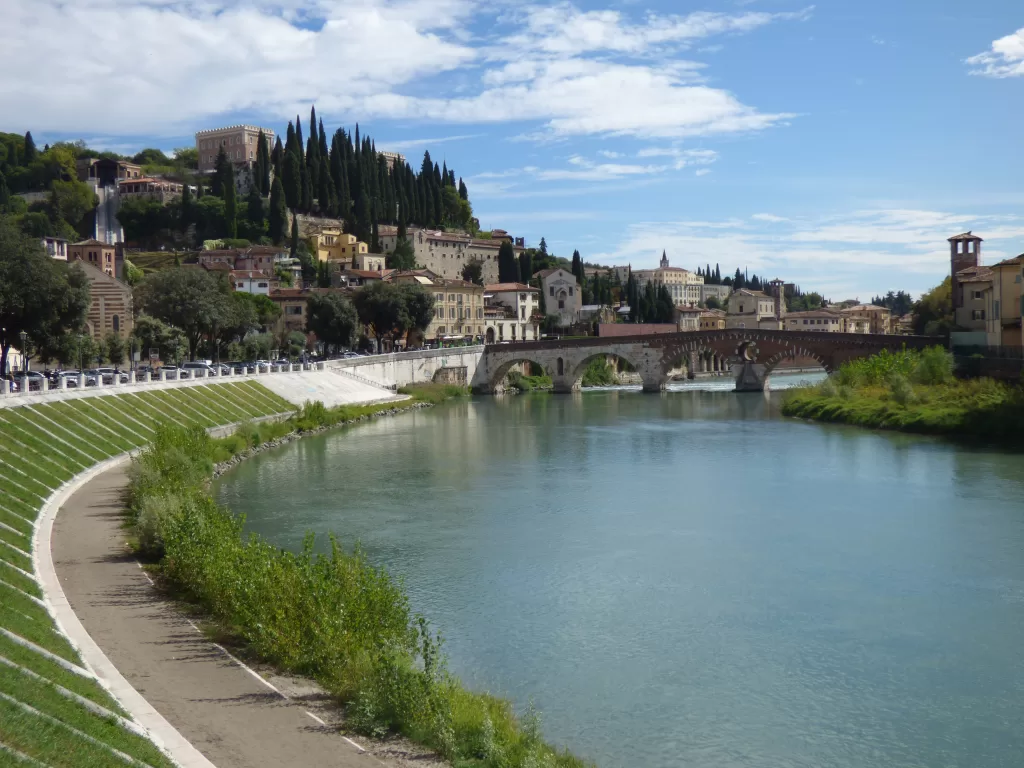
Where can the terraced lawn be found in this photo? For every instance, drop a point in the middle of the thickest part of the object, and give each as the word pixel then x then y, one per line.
pixel 52 711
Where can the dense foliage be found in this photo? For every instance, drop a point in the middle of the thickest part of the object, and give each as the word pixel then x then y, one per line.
pixel 332 616
pixel 913 392
pixel 45 298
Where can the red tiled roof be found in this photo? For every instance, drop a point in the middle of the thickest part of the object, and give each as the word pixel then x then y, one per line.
pixel 977 274
pixel 93 241
pixel 508 288
pixel 364 273
pixel 962 236
pixel 1015 261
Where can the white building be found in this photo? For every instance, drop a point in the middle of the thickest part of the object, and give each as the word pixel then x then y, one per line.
pixel 561 295
pixel 683 285
pixel 253 281
pixel 56 247
pixel 821 320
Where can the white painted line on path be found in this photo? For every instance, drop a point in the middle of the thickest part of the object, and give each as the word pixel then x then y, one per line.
pixel 346 738
pixel 267 683
pixel 316 718
pixel 151 582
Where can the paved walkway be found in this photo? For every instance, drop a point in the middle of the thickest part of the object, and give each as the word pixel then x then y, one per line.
pixel 225 710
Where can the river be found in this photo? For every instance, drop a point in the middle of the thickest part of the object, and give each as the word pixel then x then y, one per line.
pixel 690 579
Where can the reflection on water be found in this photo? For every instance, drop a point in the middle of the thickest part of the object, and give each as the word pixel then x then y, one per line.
pixel 689 578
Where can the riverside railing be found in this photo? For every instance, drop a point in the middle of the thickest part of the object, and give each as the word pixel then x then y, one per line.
pixel 44 387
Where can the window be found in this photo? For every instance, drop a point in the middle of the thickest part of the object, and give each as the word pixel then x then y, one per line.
pixel 117 324
pixel 977 294
pixel 570 291
pixel 262 285
pixel 451 313
pixel 977 314
pixel 293 310
pixel 561 304
pixel 552 289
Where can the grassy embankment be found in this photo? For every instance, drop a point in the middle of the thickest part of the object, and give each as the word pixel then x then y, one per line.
pixel 333 617
pixel 913 392
pixel 51 709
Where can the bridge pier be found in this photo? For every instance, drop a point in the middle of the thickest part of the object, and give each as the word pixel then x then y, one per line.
pixel 749 376
pixel 563 385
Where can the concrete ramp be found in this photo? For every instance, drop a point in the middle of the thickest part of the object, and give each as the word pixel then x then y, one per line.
pixel 326 386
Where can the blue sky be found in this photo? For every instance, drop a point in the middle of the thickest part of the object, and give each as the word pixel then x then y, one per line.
pixel 834 144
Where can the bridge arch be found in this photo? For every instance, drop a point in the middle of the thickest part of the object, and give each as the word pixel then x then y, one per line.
pixel 496 383
pixel 773 362
pixel 576 371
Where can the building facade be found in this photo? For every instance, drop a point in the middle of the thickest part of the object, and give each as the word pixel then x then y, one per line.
pixel 448 253
pixel 253 281
pixel 105 172
pixel 969 310
pixel 152 189
pixel 332 244
pixel 56 247
pixel 561 295
pixel 511 313
pixel 879 318
pixel 688 318
pixel 103 256
pixel 110 305
pixel 754 309
pixel 239 142
pixel 683 285
pixel 458 310
pixel 719 292
pixel 1005 303
pixel 822 320
pixel 712 320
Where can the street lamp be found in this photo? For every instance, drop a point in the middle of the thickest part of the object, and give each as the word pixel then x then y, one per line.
pixel 24 352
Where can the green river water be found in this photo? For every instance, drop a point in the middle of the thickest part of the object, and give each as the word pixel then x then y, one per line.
pixel 689 579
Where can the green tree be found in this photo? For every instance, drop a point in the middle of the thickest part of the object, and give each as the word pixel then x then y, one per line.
pixel 292 181
pixel 262 165
pixel 933 313
pixel 525 266
pixel 71 201
pixel 132 275
pixel 254 208
pixel 382 309
pixel 403 257
pixel 278 212
pixel 221 169
pixel 190 299
pixel 145 221
pixel 41 296
pixel 152 334
pixel 332 318
pixel 230 203
pixel 295 237
pixel 186 214
pixel 473 272
pixel 419 306
pixel 30 149
pixel 713 303
pixel 508 265
pixel 116 347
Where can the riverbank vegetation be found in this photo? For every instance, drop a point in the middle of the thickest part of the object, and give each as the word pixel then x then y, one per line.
pixel 599 374
pixel 331 616
pixel 913 391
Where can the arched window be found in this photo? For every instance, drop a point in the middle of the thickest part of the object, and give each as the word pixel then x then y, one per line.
pixel 561 367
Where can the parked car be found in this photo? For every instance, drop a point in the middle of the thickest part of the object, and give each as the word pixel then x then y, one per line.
pixel 70 379
pixel 198 369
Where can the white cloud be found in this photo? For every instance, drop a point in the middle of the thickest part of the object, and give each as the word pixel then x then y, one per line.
pixel 167 67
pixel 769 217
pixel 703 172
pixel 1005 59
pixel 565 30
pixel 404 144
pixel 609 154
pixel 682 158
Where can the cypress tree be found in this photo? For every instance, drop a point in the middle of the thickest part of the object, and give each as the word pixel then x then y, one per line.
pixel 222 168
pixel 463 192
pixel 444 174
pixel 525 266
pixel 718 275
pixel 295 237
pixel 306 202
pixel 375 239
pixel 323 140
pixel 402 233
pixel 292 180
pixel 298 139
pixel 254 207
pixel 186 204
pixel 263 165
pixel 30 148
pixel 290 140
pixel 275 155
pixel 325 192
pixel 5 194
pixel 231 203
pixel 508 265
pixel 278 212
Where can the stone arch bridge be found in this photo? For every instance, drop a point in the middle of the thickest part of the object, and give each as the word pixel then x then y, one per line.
pixel 750 355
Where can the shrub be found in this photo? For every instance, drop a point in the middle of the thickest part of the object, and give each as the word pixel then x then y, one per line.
pixel 902 391
pixel 934 366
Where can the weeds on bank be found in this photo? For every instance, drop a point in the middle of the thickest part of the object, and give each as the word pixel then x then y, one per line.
pixel 333 616
pixel 913 392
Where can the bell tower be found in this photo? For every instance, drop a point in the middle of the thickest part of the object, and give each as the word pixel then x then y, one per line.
pixel 664 260
pixel 964 252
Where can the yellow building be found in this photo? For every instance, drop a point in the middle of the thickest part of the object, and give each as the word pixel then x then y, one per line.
pixel 1004 304
pixel 331 244
pixel 458 306
pixel 712 320
pixel 879 318
pixel 821 320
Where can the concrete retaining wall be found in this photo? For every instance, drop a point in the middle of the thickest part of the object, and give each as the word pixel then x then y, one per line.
pixel 398 370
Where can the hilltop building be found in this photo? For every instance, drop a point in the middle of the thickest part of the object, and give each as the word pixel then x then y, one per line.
pixel 103 256
pixel 683 285
pixel 755 309
pixel 561 295
pixel 110 306
pixel 446 254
